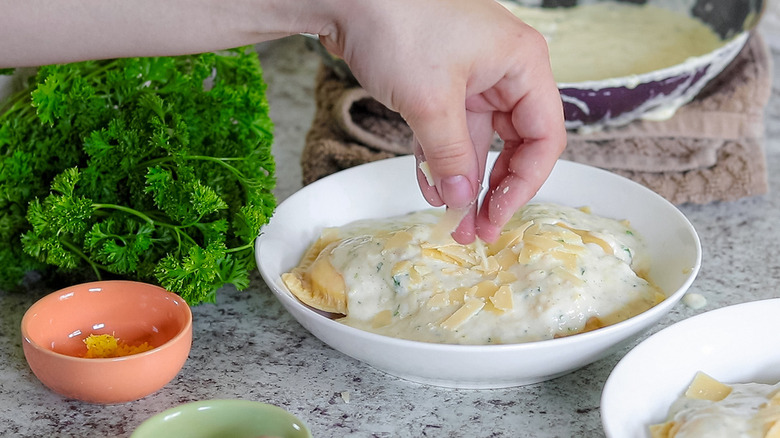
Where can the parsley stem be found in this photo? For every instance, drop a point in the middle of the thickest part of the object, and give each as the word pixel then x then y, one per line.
pixel 17 102
pixel 177 229
pixel 180 232
pixel 240 248
pixel 218 160
pixel 132 211
pixel 78 252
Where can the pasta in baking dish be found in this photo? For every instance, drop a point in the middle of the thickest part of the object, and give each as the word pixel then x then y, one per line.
pixel 554 271
pixel 712 409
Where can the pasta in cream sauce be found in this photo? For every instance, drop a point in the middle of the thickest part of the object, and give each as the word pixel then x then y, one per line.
pixel 712 409
pixel 554 271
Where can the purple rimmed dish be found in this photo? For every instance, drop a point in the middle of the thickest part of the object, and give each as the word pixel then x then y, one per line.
pixel 654 95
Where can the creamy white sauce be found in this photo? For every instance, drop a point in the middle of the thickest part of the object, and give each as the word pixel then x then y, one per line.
pixel 739 415
pixel 694 300
pixel 551 296
pixel 612 40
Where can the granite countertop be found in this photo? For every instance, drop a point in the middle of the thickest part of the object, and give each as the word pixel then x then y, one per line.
pixel 247 347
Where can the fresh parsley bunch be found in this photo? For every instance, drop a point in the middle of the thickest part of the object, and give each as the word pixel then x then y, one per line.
pixel 154 169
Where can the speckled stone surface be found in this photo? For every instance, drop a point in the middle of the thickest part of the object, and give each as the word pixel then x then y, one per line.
pixel 247 346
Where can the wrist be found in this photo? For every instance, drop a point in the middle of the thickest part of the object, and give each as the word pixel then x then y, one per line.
pixel 289 17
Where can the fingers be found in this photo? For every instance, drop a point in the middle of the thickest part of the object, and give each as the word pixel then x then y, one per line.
pixel 450 170
pixel 534 135
pixel 455 87
pixel 425 178
pixel 444 141
pixel 534 139
pixel 465 233
pixel 481 131
pixel 510 188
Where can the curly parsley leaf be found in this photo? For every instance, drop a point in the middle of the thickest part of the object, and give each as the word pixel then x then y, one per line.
pixel 154 169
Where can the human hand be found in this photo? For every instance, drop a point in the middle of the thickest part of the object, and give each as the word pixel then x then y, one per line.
pixel 457 71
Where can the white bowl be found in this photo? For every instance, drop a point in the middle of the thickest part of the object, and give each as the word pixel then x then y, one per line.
pixel 734 344
pixel 388 187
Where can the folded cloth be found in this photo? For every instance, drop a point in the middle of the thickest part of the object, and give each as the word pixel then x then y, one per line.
pixel 711 149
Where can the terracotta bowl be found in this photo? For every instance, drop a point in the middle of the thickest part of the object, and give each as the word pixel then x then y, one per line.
pixel 54 329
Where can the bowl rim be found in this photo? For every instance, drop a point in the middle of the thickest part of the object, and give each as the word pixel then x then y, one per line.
pixel 288 299
pixel 27 339
pixel 231 402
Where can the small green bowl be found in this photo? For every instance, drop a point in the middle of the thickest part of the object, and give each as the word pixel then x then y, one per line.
pixel 223 419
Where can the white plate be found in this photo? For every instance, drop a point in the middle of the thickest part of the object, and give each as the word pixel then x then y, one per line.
pixel 734 344
pixel 388 187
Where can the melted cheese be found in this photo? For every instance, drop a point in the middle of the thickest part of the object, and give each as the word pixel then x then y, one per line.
pixel 554 271
pixel 616 39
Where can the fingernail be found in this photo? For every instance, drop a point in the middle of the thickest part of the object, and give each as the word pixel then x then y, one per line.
pixel 456 191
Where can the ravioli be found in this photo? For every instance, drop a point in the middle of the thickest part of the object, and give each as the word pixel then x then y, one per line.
pixel 712 409
pixel 554 271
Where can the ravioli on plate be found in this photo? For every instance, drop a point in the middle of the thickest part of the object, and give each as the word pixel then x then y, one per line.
pixel 554 271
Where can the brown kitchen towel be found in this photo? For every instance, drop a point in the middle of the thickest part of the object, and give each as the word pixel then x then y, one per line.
pixel 710 150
